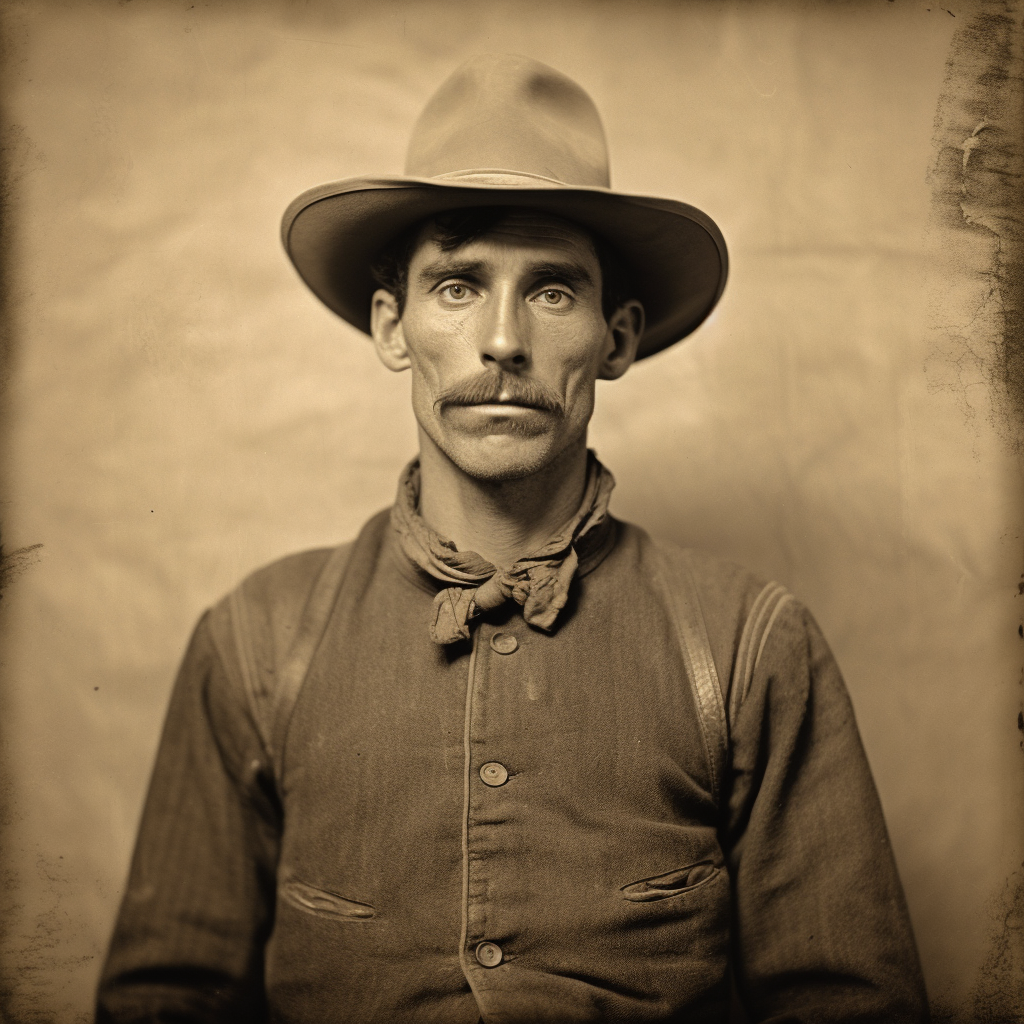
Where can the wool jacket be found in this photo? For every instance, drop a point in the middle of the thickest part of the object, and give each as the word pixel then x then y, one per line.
pixel 518 827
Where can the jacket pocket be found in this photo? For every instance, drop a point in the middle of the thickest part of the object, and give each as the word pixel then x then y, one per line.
pixel 322 902
pixel 673 883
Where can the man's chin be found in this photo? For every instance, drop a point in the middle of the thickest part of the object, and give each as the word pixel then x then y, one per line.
pixel 498 457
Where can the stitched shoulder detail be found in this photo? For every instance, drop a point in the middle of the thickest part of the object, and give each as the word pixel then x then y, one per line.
pixel 765 609
pixel 261 631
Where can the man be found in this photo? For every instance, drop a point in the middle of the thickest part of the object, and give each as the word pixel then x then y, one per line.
pixel 504 758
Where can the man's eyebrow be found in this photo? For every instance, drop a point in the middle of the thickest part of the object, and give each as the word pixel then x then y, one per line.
pixel 570 273
pixel 442 268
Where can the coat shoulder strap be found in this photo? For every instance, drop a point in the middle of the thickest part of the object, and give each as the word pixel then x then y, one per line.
pixel 692 633
pixel 272 684
pixel 718 704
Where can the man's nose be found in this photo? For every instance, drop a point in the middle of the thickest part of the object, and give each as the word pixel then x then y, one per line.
pixel 504 339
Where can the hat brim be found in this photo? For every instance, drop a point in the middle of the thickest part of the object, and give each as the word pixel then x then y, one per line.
pixel 333 233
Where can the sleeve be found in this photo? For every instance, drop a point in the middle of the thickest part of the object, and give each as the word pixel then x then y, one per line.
pixel 188 943
pixel 821 930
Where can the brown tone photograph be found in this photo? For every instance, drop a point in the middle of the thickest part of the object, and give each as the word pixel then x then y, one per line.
pixel 512 511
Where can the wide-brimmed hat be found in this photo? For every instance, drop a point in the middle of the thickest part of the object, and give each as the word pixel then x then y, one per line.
pixel 506 130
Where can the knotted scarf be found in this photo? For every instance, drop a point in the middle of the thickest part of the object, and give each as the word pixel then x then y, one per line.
pixel 539 582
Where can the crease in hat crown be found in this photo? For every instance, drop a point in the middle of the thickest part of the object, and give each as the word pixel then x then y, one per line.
pixel 504 114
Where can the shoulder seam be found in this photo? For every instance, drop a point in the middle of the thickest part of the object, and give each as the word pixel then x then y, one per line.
pixel 784 599
pixel 766 607
pixel 271 691
pixel 242 634
pixel 315 616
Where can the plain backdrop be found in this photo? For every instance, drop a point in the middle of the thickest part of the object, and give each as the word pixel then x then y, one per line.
pixel 180 410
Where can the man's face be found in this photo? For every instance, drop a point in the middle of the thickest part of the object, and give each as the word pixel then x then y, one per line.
pixel 505 337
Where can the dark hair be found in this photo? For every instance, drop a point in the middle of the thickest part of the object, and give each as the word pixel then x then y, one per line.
pixel 456 228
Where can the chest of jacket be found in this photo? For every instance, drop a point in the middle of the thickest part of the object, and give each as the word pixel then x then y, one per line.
pixel 545 794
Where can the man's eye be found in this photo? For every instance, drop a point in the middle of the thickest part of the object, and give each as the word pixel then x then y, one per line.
pixel 553 297
pixel 455 292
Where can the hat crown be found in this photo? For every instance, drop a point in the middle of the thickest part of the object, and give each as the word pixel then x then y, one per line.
pixel 507 113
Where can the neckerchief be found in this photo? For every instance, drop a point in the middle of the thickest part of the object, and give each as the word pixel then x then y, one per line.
pixel 539 581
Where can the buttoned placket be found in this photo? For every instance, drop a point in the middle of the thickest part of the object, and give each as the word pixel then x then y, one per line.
pixel 488 771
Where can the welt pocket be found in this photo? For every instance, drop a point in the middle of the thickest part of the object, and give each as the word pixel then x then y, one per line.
pixel 323 902
pixel 672 883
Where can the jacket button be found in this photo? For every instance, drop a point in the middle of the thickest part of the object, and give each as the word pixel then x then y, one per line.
pixel 504 643
pixel 494 774
pixel 489 954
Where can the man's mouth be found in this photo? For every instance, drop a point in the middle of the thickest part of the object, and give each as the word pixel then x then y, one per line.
pixel 501 394
pixel 506 403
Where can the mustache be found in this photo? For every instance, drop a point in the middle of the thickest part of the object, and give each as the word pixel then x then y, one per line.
pixel 490 388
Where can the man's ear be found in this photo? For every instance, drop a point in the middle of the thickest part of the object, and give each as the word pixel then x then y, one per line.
pixel 625 328
pixel 386 330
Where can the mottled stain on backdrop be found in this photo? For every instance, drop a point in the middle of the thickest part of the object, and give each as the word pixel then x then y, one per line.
pixel 978 190
pixel 979 201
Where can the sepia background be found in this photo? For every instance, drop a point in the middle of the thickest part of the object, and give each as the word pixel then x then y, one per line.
pixel 178 409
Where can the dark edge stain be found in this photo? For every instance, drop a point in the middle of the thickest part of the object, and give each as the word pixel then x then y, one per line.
pixel 9 887
pixel 978 202
pixel 999 993
pixel 14 563
pixel 15 150
pixel 978 197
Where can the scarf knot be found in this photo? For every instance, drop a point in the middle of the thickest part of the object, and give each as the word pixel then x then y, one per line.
pixel 539 582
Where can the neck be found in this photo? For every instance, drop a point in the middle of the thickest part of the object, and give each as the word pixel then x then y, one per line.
pixel 500 520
